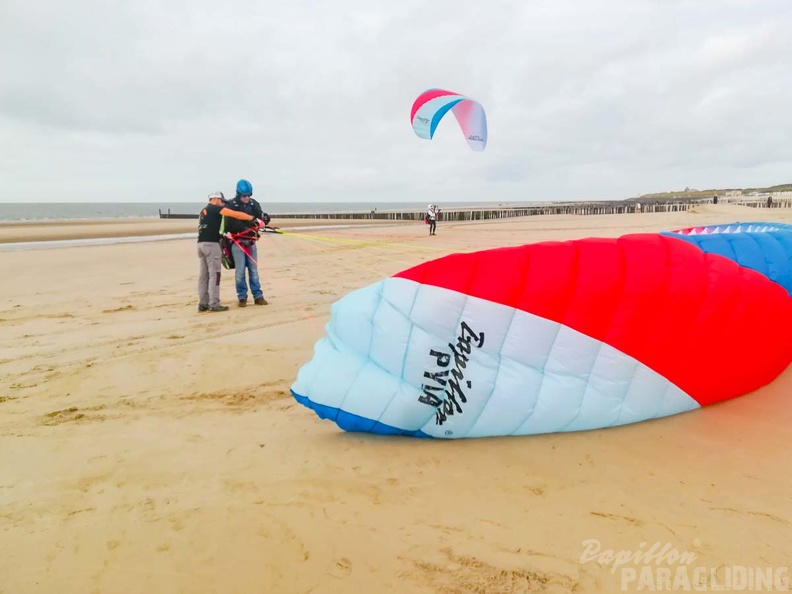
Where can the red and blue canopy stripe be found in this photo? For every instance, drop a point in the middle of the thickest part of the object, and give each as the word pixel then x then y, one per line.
pixel 580 334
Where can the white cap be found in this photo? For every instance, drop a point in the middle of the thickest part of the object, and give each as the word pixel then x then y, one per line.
pixel 217 195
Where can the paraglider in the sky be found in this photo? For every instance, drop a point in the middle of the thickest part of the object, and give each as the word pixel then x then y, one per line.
pixel 430 107
pixel 558 336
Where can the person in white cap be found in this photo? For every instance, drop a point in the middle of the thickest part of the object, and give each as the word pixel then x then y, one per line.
pixel 431 217
pixel 210 255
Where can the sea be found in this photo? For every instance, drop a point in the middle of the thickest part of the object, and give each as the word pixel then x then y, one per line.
pixel 62 211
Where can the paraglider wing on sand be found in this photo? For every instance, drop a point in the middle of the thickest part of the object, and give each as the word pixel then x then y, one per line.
pixel 558 336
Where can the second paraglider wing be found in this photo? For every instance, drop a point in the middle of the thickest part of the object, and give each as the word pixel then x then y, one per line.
pixel 431 106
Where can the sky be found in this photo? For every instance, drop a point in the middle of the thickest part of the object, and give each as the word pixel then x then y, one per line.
pixel 309 100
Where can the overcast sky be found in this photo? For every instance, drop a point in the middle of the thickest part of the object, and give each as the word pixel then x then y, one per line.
pixel 104 100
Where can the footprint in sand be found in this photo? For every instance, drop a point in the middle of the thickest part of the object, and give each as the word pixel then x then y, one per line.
pixel 62 416
pixel 341 568
pixel 117 309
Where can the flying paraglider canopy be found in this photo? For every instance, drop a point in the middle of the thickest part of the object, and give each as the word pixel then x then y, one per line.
pixel 431 106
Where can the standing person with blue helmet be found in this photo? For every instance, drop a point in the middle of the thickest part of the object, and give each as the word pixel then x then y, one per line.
pixel 244 249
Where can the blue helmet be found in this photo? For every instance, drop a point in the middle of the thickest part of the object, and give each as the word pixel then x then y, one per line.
pixel 244 188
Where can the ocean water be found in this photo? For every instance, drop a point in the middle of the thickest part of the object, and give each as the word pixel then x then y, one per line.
pixel 134 210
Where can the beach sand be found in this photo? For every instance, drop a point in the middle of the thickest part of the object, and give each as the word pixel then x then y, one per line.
pixel 147 448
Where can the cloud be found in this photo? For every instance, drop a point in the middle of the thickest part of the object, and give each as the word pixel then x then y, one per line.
pixel 310 100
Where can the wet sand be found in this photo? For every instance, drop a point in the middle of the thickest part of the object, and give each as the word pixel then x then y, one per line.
pixel 11 232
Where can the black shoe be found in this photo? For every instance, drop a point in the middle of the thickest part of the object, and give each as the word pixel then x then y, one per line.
pixel 203 307
pixel 218 308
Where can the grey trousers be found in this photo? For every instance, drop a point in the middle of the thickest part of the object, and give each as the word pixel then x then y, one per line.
pixel 211 261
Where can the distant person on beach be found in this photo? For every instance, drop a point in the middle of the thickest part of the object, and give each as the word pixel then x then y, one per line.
pixel 209 253
pixel 714 199
pixel 769 202
pixel 243 247
pixel 431 217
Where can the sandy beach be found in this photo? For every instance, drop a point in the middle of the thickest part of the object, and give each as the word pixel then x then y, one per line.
pixel 145 447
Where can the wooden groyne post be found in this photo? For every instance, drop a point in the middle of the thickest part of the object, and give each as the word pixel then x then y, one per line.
pixel 504 212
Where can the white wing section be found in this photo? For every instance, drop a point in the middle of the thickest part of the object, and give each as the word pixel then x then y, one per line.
pixel 418 357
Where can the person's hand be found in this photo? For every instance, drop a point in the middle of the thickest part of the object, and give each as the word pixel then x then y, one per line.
pixel 227 235
pixel 260 223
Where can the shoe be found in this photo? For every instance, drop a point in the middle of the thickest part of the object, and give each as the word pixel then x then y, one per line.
pixel 261 301
pixel 218 308
pixel 203 307
pixel 242 302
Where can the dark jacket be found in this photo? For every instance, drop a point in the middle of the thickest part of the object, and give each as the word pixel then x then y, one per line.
pixel 235 225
